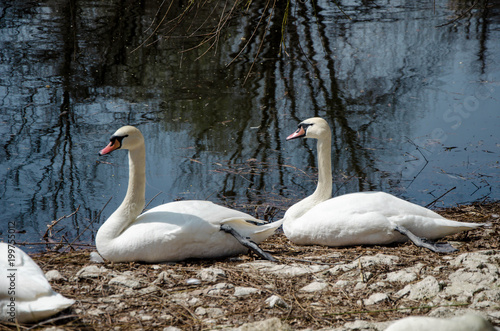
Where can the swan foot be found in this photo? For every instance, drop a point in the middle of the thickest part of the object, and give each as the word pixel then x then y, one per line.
pixel 247 243
pixel 426 243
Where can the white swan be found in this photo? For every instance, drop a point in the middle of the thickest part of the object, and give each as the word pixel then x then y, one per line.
pixel 174 231
pixel 26 295
pixel 365 218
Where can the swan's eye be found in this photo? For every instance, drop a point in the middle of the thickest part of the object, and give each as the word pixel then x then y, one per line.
pixel 305 126
pixel 115 142
pixel 118 139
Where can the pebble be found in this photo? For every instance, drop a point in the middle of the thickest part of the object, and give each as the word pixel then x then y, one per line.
pixel 314 287
pixel 211 274
pixel 54 276
pixel 209 312
pixel 468 322
pixel 276 301
pixel 282 270
pixel 274 324
pixel 91 271
pixel 171 328
pixel 401 276
pixel 240 291
pixel 365 325
pixel 375 298
pixel 364 262
pixel 193 281
pixel 219 289
pixel 474 279
pixel 95 311
pixel 425 289
pixel 125 281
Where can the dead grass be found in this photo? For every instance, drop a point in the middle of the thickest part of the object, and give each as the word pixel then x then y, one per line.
pixel 125 309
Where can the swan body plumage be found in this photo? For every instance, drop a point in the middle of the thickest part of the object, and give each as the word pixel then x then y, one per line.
pixel 173 231
pixel 364 218
pixel 30 297
pixel 368 218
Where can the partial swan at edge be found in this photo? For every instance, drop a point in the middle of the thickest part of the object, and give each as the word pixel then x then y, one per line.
pixel 34 298
pixel 364 218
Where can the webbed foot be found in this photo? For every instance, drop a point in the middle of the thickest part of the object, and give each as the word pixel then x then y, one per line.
pixel 426 243
pixel 247 243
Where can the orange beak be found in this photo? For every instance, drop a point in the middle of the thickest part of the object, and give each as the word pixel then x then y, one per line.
pixel 297 134
pixel 114 144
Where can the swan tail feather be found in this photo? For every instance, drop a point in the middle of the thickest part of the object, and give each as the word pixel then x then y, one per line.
pixel 243 225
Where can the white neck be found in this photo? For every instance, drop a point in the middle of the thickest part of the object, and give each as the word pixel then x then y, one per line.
pixel 132 204
pixel 324 188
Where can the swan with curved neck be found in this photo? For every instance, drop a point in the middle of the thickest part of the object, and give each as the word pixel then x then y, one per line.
pixel 174 231
pixel 316 129
pixel 34 297
pixel 364 218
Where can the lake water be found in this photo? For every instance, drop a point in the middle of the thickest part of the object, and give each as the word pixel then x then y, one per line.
pixel 411 92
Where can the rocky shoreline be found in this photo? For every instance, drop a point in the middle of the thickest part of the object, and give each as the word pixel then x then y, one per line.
pixel 311 287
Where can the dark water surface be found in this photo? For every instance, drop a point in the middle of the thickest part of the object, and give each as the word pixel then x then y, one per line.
pixel 413 100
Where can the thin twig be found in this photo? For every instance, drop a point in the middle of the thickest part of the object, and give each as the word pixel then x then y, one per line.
pixel 361 272
pixel 459 16
pixel 309 261
pixel 51 243
pixel 157 194
pixel 305 310
pixel 90 223
pixel 52 320
pixel 426 161
pixel 53 223
pixel 156 29
pixel 261 42
pixel 251 37
pixel 417 147
pixel 157 13
pixel 439 197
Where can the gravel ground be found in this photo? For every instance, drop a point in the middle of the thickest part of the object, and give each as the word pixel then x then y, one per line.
pixel 312 287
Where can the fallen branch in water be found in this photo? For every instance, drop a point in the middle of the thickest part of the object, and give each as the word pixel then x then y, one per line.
pixel 439 197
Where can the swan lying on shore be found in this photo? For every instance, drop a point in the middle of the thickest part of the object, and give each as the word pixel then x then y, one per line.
pixel 365 218
pixel 26 295
pixel 173 231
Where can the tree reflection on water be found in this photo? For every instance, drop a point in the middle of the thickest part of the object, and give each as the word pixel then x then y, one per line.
pixel 388 79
